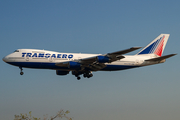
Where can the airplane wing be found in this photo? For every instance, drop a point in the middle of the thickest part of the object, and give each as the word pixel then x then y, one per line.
pixel 118 55
pixel 112 56
pixel 161 58
pixel 98 62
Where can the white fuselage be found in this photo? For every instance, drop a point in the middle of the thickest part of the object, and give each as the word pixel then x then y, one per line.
pixel 84 64
pixel 34 58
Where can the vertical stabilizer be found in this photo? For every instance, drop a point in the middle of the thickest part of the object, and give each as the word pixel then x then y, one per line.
pixel 156 46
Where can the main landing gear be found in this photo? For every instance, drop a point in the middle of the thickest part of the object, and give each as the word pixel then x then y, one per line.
pixel 78 78
pixel 21 73
pixel 85 75
pixel 88 75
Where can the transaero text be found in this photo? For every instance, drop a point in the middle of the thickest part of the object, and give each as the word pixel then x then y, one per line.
pixel 47 55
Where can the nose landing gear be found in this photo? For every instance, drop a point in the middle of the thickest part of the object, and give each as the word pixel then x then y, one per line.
pixel 21 73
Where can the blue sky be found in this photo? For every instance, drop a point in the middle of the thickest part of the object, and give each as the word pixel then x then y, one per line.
pixel 90 27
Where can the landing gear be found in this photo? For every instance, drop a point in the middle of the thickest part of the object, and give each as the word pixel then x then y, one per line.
pixel 21 73
pixel 88 75
pixel 78 78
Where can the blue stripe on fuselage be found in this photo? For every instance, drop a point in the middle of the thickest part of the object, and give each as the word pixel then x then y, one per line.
pixel 37 65
pixel 53 66
pixel 117 67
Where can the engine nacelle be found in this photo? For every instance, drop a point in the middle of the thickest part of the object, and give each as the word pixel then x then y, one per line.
pixel 103 59
pixel 60 72
pixel 74 65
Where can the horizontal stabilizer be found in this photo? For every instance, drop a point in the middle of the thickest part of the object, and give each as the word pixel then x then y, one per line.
pixel 161 58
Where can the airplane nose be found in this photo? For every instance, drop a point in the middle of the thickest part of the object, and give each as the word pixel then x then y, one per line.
pixel 4 59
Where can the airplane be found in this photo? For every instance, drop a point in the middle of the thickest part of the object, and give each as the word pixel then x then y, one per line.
pixel 85 64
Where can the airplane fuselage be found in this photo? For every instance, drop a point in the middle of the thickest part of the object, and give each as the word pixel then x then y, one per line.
pixel 84 64
pixel 43 59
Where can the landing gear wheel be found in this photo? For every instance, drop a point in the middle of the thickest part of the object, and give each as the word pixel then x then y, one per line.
pixel 88 75
pixel 84 75
pixel 21 73
pixel 91 75
pixel 78 78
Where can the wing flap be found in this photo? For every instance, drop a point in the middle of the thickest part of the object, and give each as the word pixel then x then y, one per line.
pixel 96 66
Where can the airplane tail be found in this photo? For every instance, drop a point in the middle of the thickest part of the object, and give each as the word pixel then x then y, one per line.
pixel 156 46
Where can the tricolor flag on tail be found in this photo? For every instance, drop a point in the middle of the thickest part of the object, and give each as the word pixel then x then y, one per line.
pixel 156 46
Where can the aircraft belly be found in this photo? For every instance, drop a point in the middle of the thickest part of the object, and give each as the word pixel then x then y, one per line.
pixel 40 65
pixel 117 67
pixel 43 65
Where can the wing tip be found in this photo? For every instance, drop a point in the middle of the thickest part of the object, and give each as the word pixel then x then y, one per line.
pixel 135 48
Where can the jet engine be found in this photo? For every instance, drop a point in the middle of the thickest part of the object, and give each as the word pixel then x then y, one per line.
pixel 74 65
pixel 103 59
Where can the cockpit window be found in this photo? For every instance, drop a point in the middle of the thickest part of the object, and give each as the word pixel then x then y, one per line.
pixel 16 51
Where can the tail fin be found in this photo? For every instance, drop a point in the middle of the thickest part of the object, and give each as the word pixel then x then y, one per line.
pixel 156 46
